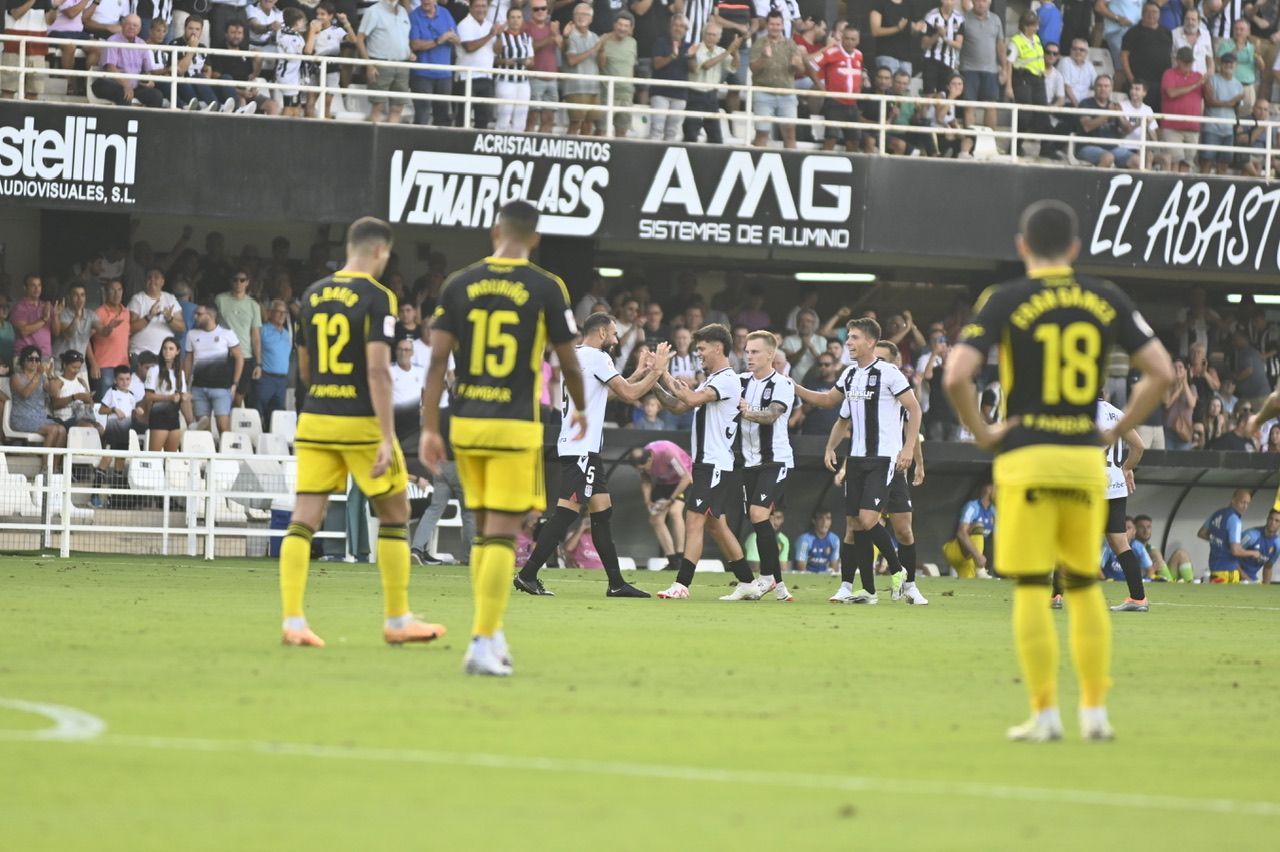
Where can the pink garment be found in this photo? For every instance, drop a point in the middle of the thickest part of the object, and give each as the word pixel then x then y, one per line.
pixel 547 375
pixel 524 547
pixel 544 59
pixel 666 457
pixel 584 555
pixel 24 311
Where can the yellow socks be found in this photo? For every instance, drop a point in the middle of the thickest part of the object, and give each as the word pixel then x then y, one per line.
pixel 393 564
pixel 1036 640
pixel 492 569
pixel 1090 625
pixel 295 558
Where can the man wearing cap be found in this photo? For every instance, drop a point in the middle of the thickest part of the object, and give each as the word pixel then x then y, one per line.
pixel 1223 94
pixel 1182 93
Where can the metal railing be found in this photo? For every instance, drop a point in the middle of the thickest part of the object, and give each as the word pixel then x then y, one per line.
pixel 609 105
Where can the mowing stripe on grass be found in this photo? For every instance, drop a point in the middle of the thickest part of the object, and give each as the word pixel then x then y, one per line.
pixel 789 780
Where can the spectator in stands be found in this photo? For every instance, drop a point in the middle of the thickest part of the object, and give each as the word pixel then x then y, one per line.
pixel 1239 439
pixel 942 42
pixel 1214 421
pixel 818 421
pixel 513 51
pixel 805 346
pixel 72 322
pixel 110 344
pixel 71 399
pixel 943 115
pixel 806 299
pixel 1248 61
pixel 241 313
pixel 1195 35
pixel 1179 407
pixel 222 13
pixel 272 384
pixel 1142 126
pixel 409 323
pixel 327 34
pixel 1264 336
pixel 1026 83
pixel 7 335
pixel 290 43
pixel 1182 93
pixel 407 380
pixel 547 40
pixel 582 49
pixel 840 70
pixel 1078 75
pixel 1099 130
pixel 631 332
pixel 1145 53
pixel 25 18
pixel 29 385
pixel 672 58
pixel 1118 16
pixel 655 330
pixel 984 62
pixel 154 315
pixel 384 37
pixel 1223 95
pixel 166 396
pixel 751 547
pixel 1248 368
pixel 115 417
pixel 896 34
pixel 240 68
pixel 651 416
pixel 32 318
pixel 1252 134
pixel 818 548
pixel 125 90
pixel 214 364
pixel 940 420
pixel 753 314
pixel 69 23
pixel 195 93
pixel 618 59
pixel 1272 444
pixel 1203 378
pixel 1050 23
pixel 775 61
pixel 710 63
pixel 264 21
pixel 182 293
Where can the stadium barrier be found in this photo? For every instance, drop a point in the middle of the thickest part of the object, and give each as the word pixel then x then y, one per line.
pixel 1011 135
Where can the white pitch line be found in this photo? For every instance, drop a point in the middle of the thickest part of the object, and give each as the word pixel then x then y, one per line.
pixel 69 724
pixel 791 780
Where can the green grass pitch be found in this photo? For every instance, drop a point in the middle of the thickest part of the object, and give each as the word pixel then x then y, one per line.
pixel 629 724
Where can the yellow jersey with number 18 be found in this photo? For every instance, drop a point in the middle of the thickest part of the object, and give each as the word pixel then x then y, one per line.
pixel 339 315
pixel 502 312
pixel 1053 333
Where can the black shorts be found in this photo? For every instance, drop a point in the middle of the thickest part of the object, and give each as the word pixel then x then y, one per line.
pixel 936 75
pixel 1115 514
pixel 899 495
pixel 164 416
pixel 866 485
pixel 707 493
pixel 664 491
pixel 763 485
pixel 582 477
pixel 245 387
pixel 843 112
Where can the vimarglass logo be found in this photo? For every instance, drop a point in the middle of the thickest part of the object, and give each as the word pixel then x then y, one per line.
pixel 74 162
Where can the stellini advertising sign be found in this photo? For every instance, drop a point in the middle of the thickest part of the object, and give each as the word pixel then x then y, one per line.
pixel 77 157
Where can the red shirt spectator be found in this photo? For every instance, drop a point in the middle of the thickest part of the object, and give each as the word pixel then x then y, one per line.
pixel 841 71
pixel 110 341
pixel 1191 103
pixel 545 58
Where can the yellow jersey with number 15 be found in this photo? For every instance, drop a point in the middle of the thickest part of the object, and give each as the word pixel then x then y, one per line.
pixel 339 315
pixel 502 312
pixel 1053 333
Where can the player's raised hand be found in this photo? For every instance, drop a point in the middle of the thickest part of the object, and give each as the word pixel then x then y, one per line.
pixel 662 354
pixel 431 451
pixel 579 420
pixel 382 459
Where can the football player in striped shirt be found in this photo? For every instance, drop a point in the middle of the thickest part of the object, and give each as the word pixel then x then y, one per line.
pixel 763 451
pixel 582 472
pixel 877 393
pixel 715 422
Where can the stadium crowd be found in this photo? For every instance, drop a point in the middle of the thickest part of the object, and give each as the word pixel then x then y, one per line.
pixel 1216 58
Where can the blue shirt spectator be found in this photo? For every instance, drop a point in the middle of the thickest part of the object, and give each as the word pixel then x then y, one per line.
pixel 277 344
pixel 1265 540
pixel 818 548
pixel 182 292
pixel 424 26
pixel 1050 24
pixel 975 513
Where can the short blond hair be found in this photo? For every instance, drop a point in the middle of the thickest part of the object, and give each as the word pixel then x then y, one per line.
pixel 770 339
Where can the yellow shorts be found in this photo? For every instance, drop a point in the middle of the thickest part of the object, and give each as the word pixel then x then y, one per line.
pixel 1276 505
pixel 1224 576
pixel 500 464
pixel 965 566
pixel 1053 509
pixel 330 447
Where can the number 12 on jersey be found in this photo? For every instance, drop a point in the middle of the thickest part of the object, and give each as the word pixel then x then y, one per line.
pixel 333 333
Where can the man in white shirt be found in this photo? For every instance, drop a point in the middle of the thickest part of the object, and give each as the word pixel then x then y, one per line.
pixel 803 348
pixel 1078 73
pixel 476 34
pixel 154 315
pixel 582 472
pixel 1195 35
pixel 1142 117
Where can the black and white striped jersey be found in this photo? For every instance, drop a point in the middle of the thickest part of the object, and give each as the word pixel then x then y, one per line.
pixel 873 407
pixel 715 424
pixel 516 49
pixel 790 10
pixel 766 443
pixel 697 13
pixel 685 367
pixel 940 50
pixel 1220 24
pixel 597 371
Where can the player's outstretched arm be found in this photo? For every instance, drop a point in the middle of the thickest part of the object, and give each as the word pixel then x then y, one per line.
pixel 829 398
pixel 431 445
pixel 1269 409
pixel 634 388
pixel 571 375
pixel 1153 361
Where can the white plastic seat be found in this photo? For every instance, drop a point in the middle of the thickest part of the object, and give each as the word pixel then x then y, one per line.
pixel 135 443
pixel 271 444
pixel 14 434
pixel 285 424
pixel 247 421
pixel 235 443
pixel 198 441
pixel 984 144
pixel 146 474
pixel 84 438
pixel 1102 61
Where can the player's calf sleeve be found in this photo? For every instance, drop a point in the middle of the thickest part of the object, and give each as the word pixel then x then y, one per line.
pixel 553 532
pixel 741 570
pixel 848 562
pixel 864 554
pixel 393 565
pixel 1186 573
pixel 1036 641
pixel 1132 569
pixel 884 543
pixel 685 575
pixel 767 546
pixel 295 559
pixel 602 535
pixel 493 585
pixel 907 556
pixel 674 560
pixel 1089 624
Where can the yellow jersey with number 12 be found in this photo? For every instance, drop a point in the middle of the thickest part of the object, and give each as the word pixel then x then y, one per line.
pixel 340 314
pixel 502 313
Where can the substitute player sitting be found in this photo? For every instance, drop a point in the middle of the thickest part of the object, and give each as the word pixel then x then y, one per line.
pixel 498 314
pixel 1265 540
pixel 347 426
pixel 1225 533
